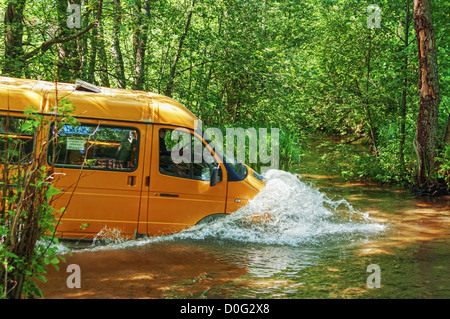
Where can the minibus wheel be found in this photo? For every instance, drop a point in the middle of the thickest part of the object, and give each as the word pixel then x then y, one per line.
pixel 211 218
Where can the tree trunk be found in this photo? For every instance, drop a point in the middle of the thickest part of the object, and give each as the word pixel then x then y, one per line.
pixel 164 62
pixel 13 38
pixel 140 44
pixel 405 90
pixel 116 50
pixel 173 68
pixel 427 122
pixel 366 107
pixel 90 77
pixel 69 54
pixel 104 73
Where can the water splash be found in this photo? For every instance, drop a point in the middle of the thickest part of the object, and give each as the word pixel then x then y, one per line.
pixel 108 236
pixel 288 211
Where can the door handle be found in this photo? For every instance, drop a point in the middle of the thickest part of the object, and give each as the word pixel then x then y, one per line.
pixel 131 180
pixel 147 181
pixel 168 195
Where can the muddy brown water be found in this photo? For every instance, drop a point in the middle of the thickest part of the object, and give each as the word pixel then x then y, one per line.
pixel 312 250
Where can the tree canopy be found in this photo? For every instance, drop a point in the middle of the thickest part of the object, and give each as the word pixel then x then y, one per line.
pixel 331 67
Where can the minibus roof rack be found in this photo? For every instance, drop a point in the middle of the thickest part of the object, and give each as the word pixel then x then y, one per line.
pixel 85 86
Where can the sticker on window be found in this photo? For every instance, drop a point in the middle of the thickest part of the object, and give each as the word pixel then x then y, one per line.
pixel 75 144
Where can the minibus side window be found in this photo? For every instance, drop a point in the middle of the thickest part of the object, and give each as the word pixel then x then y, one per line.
pixel 17 141
pixel 96 147
pixel 182 161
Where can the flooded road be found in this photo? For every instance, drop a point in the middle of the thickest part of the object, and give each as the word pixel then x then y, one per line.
pixel 319 241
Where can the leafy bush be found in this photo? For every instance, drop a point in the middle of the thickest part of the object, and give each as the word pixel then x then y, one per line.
pixel 444 164
pixel 27 217
pixel 357 163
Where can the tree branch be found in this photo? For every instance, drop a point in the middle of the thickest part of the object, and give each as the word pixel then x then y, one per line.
pixel 47 44
pixel 199 64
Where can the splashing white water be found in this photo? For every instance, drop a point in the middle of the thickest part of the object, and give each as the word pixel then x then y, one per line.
pixel 108 236
pixel 287 212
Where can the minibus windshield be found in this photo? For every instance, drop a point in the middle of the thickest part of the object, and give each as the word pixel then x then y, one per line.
pixel 239 168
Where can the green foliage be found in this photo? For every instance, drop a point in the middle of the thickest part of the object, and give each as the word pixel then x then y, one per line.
pixel 27 217
pixel 352 162
pixel 444 165
pixel 288 143
pixel 303 66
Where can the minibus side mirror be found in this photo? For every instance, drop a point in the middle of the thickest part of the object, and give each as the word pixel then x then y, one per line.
pixel 214 175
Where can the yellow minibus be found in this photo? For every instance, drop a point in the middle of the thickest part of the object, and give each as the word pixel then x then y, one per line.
pixel 114 168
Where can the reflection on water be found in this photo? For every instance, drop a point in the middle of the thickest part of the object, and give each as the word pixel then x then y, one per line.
pixel 316 242
pixel 154 271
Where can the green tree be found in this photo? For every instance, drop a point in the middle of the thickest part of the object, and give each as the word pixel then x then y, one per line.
pixel 427 123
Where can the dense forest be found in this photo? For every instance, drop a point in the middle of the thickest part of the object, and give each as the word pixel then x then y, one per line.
pixel 348 69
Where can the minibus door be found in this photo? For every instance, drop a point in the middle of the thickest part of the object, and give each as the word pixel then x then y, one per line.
pixel 180 193
pixel 104 196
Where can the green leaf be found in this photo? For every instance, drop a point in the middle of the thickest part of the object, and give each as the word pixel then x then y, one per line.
pixel 43 278
pixel 51 191
pixel 26 126
pixel 30 110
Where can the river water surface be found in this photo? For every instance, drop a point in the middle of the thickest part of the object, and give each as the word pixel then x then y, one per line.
pixel 318 241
